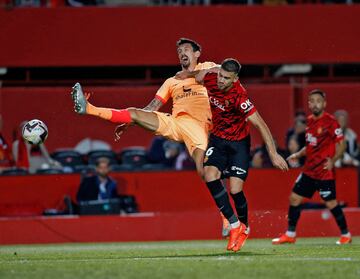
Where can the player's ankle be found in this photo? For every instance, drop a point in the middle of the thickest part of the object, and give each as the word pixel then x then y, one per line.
pixel 290 234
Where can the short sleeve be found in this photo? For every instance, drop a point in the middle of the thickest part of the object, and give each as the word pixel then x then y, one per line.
pixel 336 132
pixel 209 78
pixel 205 66
pixel 164 92
pixel 245 105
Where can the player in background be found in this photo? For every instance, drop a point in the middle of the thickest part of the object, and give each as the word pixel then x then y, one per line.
pixel 324 146
pixel 191 115
pixel 229 145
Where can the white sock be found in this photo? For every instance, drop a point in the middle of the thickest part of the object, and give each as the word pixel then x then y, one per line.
pixel 346 235
pixel 290 234
pixel 235 225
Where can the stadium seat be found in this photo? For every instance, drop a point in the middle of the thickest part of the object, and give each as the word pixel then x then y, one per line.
pixel 122 167
pixel 94 155
pixel 154 167
pixel 68 158
pixel 128 204
pixel 84 169
pixel 134 156
pixel 49 171
pixel 15 171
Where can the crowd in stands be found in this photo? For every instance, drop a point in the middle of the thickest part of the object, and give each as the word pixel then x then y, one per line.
pixel 19 157
pixel 81 3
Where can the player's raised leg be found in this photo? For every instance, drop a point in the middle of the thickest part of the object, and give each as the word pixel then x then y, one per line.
pixel 143 118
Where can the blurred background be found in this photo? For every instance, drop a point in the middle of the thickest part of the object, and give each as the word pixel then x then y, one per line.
pixel 122 51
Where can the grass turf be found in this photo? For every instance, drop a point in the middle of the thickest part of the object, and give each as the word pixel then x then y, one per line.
pixel 308 258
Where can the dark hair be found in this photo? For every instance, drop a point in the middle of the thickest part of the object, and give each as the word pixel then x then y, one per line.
pixel 319 92
pixel 195 45
pixel 231 65
pixel 101 160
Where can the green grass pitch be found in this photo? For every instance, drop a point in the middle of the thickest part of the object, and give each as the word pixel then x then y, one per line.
pixel 309 258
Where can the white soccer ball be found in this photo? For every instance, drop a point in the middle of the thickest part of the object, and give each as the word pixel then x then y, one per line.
pixel 35 131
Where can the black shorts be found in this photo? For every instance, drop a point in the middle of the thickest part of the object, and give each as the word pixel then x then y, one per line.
pixel 306 186
pixel 232 158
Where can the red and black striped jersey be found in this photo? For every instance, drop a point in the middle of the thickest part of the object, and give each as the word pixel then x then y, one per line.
pixel 230 109
pixel 322 134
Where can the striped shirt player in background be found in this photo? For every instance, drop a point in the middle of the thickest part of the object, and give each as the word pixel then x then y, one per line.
pixel 324 146
pixel 229 145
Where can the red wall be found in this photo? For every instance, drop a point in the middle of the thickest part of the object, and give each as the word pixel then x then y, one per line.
pixel 54 106
pixel 187 225
pixel 103 36
pixel 275 104
pixel 162 192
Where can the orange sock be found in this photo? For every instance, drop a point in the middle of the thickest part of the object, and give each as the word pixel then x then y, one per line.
pixel 103 113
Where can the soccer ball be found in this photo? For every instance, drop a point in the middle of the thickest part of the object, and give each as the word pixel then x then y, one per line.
pixel 35 131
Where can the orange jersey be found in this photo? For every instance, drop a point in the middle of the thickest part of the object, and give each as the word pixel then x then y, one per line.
pixel 188 96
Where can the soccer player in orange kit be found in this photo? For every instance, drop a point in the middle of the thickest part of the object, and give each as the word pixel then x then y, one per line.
pixel 191 116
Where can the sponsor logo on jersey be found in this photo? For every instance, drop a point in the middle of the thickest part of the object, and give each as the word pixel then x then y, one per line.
pixel 217 103
pixel 319 130
pixel 186 89
pixel 338 132
pixel 246 106
pixel 188 93
pixel 311 139
pixel 206 159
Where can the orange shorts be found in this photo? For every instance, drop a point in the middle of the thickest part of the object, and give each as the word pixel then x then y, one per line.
pixel 185 129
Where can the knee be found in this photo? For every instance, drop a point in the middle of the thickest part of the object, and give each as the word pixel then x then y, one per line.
pixel 134 113
pixel 236 185
pixel 331 204
pixel 294 200
pixel 211 175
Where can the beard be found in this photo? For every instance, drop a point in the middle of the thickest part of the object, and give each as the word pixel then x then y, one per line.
pixel 185 62
pixel 317 112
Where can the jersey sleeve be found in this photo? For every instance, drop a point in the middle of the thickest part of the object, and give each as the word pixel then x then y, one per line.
pixel 164 92
pixel 336 132
pixel 209 78
pixel 205 66
pixel 245 105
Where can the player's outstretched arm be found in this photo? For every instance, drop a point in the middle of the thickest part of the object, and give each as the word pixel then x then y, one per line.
pixel 198 75
pixel 264 130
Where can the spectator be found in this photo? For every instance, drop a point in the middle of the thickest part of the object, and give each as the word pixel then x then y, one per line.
pixel 298 130
pixel 172 151
pixel 156 152
pixel 351 154
pixel 260 156
pixel 99 186
pixel 32 157
pixel 184 161
pixel 169 153
pixel 293 147
pixel 6 159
